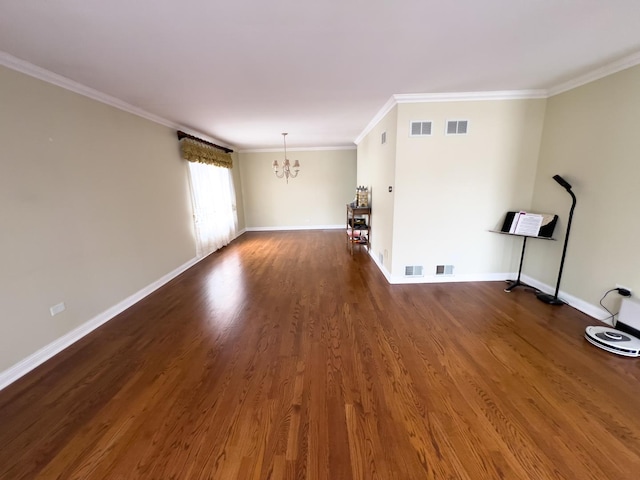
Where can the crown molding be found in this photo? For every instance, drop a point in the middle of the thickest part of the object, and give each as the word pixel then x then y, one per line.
pixel 447 97
pixel 609 69
pixel 469 96
pixel 27 68
pixel 604 71
pixel 386 108
pixel 298 149
pixel 47 76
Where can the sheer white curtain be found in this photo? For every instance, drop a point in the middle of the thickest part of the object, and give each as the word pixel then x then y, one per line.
pixel 214 206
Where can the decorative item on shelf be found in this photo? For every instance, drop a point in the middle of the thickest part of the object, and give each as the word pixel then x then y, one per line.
pixel 286 166
pixel 362 196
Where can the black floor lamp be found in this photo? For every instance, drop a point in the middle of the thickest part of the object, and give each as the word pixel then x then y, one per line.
pixel 546 297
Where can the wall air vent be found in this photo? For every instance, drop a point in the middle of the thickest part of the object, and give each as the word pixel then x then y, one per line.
pixel 444 269
pixel 457 127
pixel 383 138
pixel 420 129
pixel 413 271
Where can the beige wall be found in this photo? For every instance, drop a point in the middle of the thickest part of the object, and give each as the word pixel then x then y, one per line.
pixel 94 202
pixel 377 170
pixel 591 139
pixel 450 190
pixel 94 206
pixel 315 198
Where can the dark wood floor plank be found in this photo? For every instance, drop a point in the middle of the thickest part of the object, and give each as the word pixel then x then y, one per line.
pixel 284 357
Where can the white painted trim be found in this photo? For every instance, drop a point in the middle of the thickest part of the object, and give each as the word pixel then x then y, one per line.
pixel 386 108
pixel 29 363
pixel 37 358
pixel 575 302
pixel 381 267
pixel 604 71
pixel 302 227
pixel 469 96
pixel 592 310
pixel 447 97
pixel 299 149
pixel 40 73
pixel 402 280
pixel 34 71
pixel 470 277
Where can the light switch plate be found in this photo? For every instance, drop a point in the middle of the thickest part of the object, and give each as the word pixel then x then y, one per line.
pixel 56 309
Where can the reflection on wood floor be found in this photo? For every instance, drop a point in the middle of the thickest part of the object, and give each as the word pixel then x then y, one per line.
pixel 282 356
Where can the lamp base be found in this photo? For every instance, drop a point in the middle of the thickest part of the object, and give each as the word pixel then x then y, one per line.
pixel 549 299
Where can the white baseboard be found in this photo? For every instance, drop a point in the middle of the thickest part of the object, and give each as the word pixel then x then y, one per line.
pixel 304 227
pixel 592 310
pixel 469 277
pixel 402 280
pixel 24 366
pixel 382 268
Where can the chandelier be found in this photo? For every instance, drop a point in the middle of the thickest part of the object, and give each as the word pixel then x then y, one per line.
pixel 286 166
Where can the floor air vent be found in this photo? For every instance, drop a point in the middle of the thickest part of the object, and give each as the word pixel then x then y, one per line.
pixel 413 271
pixel 444 269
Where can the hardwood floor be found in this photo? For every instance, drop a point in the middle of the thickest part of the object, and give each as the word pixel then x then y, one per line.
pixel 283 357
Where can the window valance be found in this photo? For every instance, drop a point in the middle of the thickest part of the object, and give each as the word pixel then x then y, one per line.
pixel 193 149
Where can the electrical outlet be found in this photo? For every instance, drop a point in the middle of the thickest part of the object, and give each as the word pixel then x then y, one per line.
pixel 56 309
pixel 622 286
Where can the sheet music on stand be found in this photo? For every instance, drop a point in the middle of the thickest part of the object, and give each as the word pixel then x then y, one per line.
pixel 528 224
pixel 532 225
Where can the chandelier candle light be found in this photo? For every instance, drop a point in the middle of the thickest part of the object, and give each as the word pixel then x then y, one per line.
pixel 286 166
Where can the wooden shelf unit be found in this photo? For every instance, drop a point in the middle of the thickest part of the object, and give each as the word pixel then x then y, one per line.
pixel 358 227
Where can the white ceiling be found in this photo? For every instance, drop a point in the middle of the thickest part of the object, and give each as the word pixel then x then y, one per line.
pixel 243 71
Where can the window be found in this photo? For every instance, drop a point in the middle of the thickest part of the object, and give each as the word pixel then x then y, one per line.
pixel 214 206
